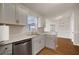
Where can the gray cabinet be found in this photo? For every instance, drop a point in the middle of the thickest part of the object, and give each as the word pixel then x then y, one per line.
pixel 1 12
pixel 42 42
pixel 8 13
pixel 11 13
pixel 20 15
pixel 6 49
pixel 51 41
pixel 37 44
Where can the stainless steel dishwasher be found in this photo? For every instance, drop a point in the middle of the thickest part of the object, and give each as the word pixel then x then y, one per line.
pixel 23 47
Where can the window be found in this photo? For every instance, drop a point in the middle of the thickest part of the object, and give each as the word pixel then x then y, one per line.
pixel 39 22
pixel 32 23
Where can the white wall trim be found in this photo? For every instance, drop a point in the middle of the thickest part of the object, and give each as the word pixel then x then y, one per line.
pixel 74 43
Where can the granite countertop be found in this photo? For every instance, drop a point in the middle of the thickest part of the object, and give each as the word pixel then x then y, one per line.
pixel 50 33
pixel 22 37
pixel 17 38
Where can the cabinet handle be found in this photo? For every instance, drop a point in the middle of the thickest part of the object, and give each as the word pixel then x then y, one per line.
pixel 17 21
pixel 24 43
pixel 6 48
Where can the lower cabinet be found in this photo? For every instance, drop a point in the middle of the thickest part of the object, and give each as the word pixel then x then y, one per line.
pixel 51 41
pixel 6 49
pixel 37 44
pixel 41 41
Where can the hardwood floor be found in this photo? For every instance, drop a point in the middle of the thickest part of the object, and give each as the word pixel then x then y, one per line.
pixel 65 47
pixel 47 51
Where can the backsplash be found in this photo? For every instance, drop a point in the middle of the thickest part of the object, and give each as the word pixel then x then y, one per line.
pixel 40 30
pixel 22 30
pixel 17 30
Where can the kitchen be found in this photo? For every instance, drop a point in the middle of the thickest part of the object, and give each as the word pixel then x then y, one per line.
pixel 26 32
pixel 14 30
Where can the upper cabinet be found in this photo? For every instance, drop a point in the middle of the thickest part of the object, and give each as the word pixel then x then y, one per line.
pixel 16 14
pixel 7 13
pixel 21 15
pixel 11 13
pixel 0 12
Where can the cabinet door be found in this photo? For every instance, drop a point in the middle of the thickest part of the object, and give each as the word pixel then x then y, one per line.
pixel 51 41
pixel 38 43
pixel 35 45
pixel 6 50
pixel 20 16
pixel 41 42
pixel 8 13
pixel 1 9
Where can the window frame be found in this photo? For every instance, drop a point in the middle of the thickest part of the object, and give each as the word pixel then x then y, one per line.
pixel 29 25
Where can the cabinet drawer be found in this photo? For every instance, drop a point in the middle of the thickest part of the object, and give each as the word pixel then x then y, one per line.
pixel 7 49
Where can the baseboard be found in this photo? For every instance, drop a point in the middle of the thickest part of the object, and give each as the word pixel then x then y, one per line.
pixel 70 39
pixel 75 44
pixel 64 38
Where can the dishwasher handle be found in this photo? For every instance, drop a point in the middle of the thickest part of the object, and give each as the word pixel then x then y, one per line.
pixel 22 41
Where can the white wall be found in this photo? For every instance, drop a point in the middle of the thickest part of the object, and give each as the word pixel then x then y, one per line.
pixel 63 28
pixel 66 25
pixel 47 24
pixel 62 25
pixel 72 26
pixel 76 26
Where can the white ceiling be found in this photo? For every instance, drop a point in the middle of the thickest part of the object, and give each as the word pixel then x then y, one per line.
pixel 49 9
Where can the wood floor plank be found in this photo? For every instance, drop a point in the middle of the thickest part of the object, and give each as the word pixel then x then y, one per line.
pixel 65 47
